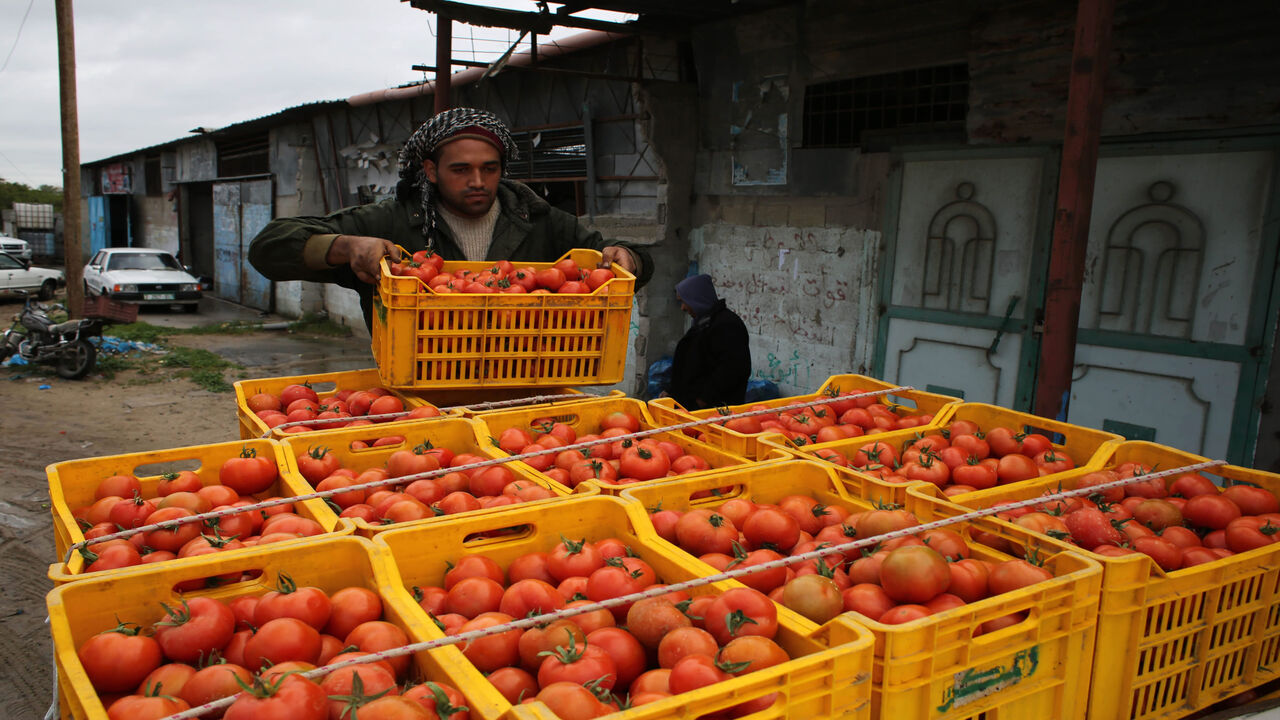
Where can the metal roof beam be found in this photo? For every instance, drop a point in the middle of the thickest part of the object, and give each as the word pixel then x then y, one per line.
pixel 533 22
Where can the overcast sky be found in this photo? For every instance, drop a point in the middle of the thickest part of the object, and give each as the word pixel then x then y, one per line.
pixel 151 70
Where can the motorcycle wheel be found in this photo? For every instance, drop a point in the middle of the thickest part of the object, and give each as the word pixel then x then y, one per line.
pixel 77 361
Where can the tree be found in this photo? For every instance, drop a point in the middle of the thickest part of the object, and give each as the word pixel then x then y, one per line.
pixel 15 192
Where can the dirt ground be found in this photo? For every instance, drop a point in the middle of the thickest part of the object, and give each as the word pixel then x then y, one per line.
pixel 96 417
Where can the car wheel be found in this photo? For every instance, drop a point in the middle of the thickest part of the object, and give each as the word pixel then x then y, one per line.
pixel 192 308
pixel 47 288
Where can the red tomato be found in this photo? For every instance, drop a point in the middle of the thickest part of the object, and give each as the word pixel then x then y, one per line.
pixel 296 698
pixel 117 660
pixel 741 611
pixel 702 531
pixel 868 599
pixel 914 574
pixel 1015 574
pixel 281 640
pixel 900 614
pixel 571 701
pixel 248 473
pixel 580 664
pixel 770 527
pixel 1210 511
pixel 1003 441
pixel 1015 467
pixel 308 604
pixel 816 597
pixel 144 707
pixel 1091 527
pixel 1252 500
pixel 494 651
pixel 191 633
pixel 530 597
pixel 215 682
pixel 569 559
pixel 1191 484
pixel 695 671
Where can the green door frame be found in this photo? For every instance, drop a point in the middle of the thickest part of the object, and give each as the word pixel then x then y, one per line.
pixel 1037 270
pixel 1255 354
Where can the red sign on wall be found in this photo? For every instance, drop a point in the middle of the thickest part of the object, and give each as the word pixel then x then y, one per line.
pixel 117 179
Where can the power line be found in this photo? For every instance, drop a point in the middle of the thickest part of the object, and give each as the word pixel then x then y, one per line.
pixel 19 37
pixel 15 166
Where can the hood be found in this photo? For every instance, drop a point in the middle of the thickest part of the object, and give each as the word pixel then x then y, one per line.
pixel 135 277
pixel 699 293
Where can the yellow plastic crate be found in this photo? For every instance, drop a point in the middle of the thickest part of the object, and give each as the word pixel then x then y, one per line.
pixel 456 400
pixel 934 667
pixel 1086 446
pixel 72 483
pixel 1170 644
pixel 818 681
pixel 326 386
pixel 80 610
pixel 910 403
pixel 461 435
pixel 585 417
pixel 426 340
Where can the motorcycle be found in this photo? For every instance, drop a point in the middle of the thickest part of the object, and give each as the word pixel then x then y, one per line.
pixel 37 338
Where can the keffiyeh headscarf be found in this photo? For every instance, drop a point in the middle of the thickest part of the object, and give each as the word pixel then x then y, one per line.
pixel 440 130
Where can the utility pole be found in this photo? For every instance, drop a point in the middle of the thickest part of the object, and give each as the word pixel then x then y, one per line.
pixel 1089 57
pixel 70 157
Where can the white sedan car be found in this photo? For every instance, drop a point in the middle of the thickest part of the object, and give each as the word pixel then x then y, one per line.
pixel 17 274
pixel 16 247
pixel 142 276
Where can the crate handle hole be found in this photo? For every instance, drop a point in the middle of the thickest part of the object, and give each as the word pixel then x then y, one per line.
pixel 1029 619
pixel 390 441
pixel 217 583
pixel 170 466
pixel 717 495
pixel 499 535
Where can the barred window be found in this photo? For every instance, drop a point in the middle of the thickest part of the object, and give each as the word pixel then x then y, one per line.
pixel 842 113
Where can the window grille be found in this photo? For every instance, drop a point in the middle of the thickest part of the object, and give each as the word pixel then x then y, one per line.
pixel 841 113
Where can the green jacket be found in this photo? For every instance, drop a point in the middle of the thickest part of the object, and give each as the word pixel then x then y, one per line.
pixel 527 230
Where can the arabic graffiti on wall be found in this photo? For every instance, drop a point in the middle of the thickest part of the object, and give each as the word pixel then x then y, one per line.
pixel 798 291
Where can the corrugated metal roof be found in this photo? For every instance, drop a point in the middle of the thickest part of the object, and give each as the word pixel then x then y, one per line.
pixel 231 130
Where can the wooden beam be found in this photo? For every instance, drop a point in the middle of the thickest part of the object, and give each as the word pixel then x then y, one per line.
pixel 444 62
pixel 1079 168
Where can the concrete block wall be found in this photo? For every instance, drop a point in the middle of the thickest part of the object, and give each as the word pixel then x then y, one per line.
pixel 159 223
pixel 806 290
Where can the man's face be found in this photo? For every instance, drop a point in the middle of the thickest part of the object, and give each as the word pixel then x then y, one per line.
pixel 466 176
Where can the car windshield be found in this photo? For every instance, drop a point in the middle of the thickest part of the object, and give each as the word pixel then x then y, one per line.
pixel 142 261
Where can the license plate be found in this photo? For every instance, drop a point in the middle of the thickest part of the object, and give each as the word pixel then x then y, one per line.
pixel 157 296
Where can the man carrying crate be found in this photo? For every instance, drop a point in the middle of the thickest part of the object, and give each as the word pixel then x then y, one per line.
pixel 451 199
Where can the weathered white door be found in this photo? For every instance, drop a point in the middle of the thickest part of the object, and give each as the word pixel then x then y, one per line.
pixel 965 271
pixel 1175 281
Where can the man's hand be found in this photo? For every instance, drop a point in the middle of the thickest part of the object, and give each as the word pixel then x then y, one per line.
pixel 622 256
pixel 362 253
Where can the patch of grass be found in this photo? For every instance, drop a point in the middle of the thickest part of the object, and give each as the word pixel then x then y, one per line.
pixel 138 332
pixel 312 324
pixel 201 366
pixel 154 334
